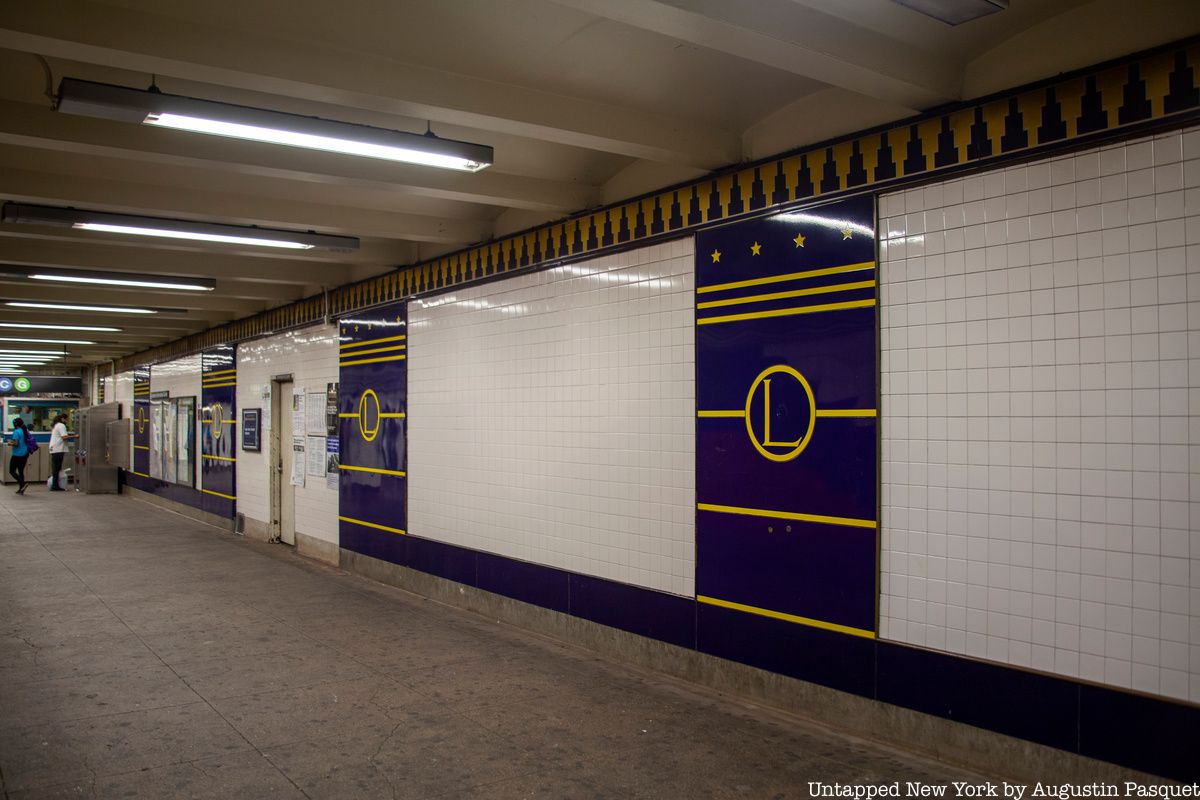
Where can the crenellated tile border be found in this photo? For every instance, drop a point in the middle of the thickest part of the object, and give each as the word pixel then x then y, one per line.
pixel 1146 90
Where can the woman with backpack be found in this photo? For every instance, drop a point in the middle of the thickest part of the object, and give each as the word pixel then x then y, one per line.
pixel 19 440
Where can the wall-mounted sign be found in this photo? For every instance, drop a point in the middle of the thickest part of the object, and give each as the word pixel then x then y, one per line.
pixel 161 395
pixel 251 431
pixel 34 384
pixel 787 442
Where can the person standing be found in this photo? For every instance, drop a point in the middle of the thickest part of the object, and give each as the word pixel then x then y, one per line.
pixel 58 450
pixel 20 444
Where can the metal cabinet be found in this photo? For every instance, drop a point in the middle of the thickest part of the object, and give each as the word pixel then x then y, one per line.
pixel 94 472
pixel 118 436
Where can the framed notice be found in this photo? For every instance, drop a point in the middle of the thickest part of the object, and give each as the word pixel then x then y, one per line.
pixel 252 429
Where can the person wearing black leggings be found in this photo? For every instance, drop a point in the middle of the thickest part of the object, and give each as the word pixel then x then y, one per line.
pixel 20 445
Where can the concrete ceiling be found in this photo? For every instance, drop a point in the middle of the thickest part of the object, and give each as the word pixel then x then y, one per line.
pixel 585 102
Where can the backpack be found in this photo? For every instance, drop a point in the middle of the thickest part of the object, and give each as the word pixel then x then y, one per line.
pixel 31 445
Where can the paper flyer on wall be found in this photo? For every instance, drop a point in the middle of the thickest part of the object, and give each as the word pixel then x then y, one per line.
pixel 314 415
pixel 298 460
pixel 331 409
pixel 298 406
pixel 332 462
pixel 316 453
pixel 265 422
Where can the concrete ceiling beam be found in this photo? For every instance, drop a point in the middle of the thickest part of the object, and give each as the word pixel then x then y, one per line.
pixel 109 257
pixel 804 41
pixel 27 125
pixel 193 304
pixel 152 44
pixel 231 207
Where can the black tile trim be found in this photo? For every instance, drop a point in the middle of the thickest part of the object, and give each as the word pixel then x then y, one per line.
pixel 1142 732
pixel 1028 705
pixel 1137 731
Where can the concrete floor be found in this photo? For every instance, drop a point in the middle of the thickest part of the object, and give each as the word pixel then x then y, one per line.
pixel 146 655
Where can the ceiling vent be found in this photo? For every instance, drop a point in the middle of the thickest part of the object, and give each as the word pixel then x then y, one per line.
pixel 955 12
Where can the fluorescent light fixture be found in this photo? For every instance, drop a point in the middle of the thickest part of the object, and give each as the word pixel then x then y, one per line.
pixel 136 225
pixel 152 107
pixel 46 326
pixel 167 233
pixel 45 341
pixel 133 279
pixel 954 12
pixel 12 370
pixel 120 279
pixel 73 307
pixel 351 147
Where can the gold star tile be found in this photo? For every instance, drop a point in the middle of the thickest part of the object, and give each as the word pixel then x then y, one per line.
pixel 847 233
pixel 716 256
pixel 756 249
pixel 799 240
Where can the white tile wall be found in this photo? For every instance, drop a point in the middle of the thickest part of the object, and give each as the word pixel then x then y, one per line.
pixel 1041 415
pixel 119 389
pixel 181 378
pixel 552 418
pixel 310 355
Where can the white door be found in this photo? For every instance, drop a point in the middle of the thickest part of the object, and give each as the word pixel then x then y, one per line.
pixel 281 406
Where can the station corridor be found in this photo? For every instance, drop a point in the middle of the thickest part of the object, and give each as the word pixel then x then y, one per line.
pixel 147 655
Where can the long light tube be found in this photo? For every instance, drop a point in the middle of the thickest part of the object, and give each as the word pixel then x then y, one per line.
pixel 138 225
pixel 153 107
pixel 46 326
pixel 311 141
pixel 44 341
pixel 167 233
pixel 71 307
pixel 106 281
